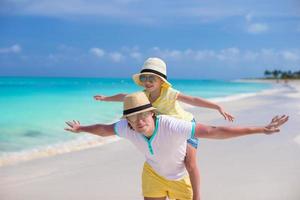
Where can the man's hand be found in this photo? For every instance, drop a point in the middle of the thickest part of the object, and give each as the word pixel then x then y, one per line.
pixel 99 97
pixel 274 125
pixel 226 115
pixel 73 126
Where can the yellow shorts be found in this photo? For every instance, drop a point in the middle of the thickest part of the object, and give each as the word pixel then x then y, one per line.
pixel 156 186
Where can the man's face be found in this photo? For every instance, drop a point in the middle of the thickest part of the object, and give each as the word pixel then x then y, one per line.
pixel 142 122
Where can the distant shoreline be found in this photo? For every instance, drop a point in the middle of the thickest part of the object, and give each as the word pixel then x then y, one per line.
pixel 268 80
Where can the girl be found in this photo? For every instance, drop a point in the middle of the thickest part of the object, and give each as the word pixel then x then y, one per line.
pixel 153 78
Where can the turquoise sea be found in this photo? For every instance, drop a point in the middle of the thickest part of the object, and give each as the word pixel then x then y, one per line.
pixel 34 110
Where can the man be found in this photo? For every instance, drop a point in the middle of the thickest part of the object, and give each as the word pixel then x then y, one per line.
pixel 163 141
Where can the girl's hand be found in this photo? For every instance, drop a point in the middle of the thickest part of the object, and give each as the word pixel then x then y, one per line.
pixel 274 125
pixel 100 97
pixel 73 126
pixel 226 115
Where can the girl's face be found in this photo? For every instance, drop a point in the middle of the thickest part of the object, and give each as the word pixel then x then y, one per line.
pixel 151 82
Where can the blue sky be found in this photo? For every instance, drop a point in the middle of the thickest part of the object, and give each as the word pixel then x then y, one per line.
pixel 197 39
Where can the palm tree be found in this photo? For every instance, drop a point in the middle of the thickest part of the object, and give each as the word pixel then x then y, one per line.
pixel 275 73
pixel 267 73
pixel 297 74
pixel 278 74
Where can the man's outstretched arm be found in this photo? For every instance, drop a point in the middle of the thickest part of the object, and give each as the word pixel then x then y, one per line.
pixel 212 132
pixel 96 129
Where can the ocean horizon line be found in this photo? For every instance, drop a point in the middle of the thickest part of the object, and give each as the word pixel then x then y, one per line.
pixel 129 78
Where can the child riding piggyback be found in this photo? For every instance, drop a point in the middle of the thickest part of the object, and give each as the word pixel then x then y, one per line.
pixel 153 78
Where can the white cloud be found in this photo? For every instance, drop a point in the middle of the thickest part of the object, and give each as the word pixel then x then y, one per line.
pixel 268 54
pixel 13 49
pixel 229 54
pixel 176 54
pixel 136 55
pixel 97 52
pixel 116 56
pixel 257 28
pixel 132 52
pixel 204 54
pixel 291 55
pixel 142 11
pixel 250 56
pixel 206 12
pixel 167 53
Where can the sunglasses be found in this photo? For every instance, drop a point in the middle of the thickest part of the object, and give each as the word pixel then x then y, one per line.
pixel 150 78
pixel 140 116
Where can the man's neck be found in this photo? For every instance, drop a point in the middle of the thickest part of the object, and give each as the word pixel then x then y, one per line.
pixel 149 133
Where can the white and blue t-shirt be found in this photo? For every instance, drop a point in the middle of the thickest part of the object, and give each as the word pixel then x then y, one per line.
pixel 165 151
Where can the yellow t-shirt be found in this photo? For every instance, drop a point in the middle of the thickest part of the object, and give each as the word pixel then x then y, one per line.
pixel 167 104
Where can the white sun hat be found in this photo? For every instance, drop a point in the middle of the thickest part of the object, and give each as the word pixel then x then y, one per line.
pixel 154 66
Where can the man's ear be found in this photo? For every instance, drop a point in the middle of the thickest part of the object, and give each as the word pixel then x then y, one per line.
pixel 153 113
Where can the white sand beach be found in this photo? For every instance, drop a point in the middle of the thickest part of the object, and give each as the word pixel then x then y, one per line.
pixel 259 167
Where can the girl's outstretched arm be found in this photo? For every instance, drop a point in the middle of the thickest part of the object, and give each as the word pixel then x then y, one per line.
pixel 196 101
pixel 117 97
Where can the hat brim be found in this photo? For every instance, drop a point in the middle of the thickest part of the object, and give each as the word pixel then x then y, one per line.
pixel 136 79
pixel 141 111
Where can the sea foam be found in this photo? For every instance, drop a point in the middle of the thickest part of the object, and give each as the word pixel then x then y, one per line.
pixel 84 142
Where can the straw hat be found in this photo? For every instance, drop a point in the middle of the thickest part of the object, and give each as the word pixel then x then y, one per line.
pixel 136 103
pixel 154 66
